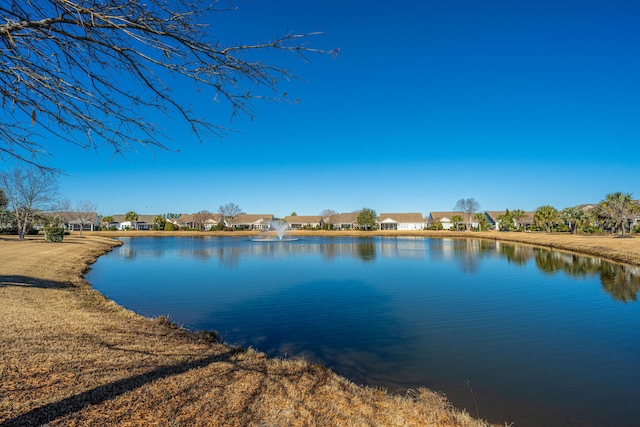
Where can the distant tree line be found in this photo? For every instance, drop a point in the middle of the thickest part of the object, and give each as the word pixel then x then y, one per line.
pixel 28 196
pixel 616 213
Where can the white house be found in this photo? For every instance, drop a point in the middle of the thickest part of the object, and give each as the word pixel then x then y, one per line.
pixel 402 221
pixel 445 218
pixel 144 222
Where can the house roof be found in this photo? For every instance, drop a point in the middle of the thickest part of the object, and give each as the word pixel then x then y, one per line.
pixel 493 215
pixel 252 218
pixel 405 218
pixel 74 216
pixel 437 216
pixel 302 219
pixel 182 219
pixel 527 218
pixel 141 218
pixel 187 218
pixel 587 206
pixel 344 218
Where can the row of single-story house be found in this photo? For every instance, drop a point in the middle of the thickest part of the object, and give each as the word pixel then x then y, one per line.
pixel 210 221
pixel 345 221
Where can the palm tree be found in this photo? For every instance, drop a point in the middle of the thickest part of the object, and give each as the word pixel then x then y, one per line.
pixel 573 217
pixel 483 224
pixel 159 222
pixel 619 209
pixel 517 215
pixel 546 217
pixel 107 220
pixel 506 221
pixel 457 219
pixel 131 216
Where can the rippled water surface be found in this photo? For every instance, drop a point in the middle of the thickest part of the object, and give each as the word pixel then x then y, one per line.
pixel 512 333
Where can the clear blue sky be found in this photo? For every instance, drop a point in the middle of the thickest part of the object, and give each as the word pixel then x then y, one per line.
pixel 517 104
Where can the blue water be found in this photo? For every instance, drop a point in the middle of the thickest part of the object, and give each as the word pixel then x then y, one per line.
pixel 511 333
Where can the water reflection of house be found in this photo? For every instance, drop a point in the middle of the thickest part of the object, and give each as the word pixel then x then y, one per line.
pixel 405 246
pixel 252 222
pixel 401 221
pixel 296 222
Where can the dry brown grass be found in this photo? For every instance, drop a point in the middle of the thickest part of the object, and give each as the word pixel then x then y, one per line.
pixel 70 357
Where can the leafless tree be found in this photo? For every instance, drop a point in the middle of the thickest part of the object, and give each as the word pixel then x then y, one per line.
pixel 63 64
pixel 3 200
pixel 468 207
pixel 201 218
pixel 326 213
pixel 84 213
pixel 29 191
pixel 229 212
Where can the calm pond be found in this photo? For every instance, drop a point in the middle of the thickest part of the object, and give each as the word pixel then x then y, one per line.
pixel 510 332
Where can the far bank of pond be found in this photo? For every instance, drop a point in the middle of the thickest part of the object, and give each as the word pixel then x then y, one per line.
pixel 606 246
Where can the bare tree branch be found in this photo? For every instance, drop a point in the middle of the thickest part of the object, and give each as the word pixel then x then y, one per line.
pixel 64 65
pixel 29 191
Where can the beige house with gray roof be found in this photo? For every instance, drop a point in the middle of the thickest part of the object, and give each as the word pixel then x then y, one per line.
pixel 192 221
pixel 344 221
pixel 443 218
pixel 525 222
pixel 298 222
pixel 251 222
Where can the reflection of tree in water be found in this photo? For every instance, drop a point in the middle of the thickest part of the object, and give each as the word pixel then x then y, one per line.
pixel 548 261
pixel 201 254
pixel 581 266
pixel 473 246
pixel 366 251
pixel 228 256
pixel 329 251
pixel 469 251
pixel 129 253
pixel 621 281
pixel 516 254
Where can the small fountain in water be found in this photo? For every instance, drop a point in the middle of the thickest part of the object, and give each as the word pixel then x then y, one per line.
pixel 280 227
